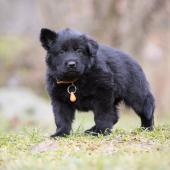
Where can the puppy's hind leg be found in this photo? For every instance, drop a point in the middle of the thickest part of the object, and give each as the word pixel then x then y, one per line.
pixel 147 117
pixel 146 112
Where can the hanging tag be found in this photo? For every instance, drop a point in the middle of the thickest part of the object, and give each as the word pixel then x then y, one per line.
pixel 72 90
pixel 72 97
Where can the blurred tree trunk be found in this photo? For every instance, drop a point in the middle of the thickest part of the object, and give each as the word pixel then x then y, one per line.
pixel 126 23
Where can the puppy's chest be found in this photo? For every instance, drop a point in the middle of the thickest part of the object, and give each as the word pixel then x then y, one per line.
pixel 85 95
pixel 85 89
pixel 87 92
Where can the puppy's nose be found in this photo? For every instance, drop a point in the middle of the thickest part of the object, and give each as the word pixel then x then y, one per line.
pixel 71 64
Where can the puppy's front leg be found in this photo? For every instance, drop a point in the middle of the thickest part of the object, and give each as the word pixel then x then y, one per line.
pixel 104 119
pixel 64 115
pixel 105 113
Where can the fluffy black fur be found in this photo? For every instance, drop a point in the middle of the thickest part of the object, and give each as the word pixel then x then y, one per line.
pixel 105 77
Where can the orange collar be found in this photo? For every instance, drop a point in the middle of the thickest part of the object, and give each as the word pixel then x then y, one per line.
pixel 66 82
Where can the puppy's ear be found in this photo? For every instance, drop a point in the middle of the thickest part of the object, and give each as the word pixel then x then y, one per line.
pixel 92 46
pixel 47 38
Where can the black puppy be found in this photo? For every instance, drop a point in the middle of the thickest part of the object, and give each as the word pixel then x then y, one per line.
pixel 85 75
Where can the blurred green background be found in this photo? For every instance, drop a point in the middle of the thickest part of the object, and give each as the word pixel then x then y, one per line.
pixel 141 28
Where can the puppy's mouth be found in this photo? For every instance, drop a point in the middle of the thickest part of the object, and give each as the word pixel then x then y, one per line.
pixel 71 75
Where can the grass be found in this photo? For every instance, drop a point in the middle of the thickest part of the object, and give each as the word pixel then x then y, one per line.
pixel 29 148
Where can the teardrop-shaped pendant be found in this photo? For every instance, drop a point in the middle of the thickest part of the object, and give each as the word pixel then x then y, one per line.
pixel 72 97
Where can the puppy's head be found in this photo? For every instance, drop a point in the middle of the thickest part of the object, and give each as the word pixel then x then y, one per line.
pixel 69 53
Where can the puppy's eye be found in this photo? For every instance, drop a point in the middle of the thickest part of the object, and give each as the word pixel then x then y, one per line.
pixel 79 51
pixel 61 52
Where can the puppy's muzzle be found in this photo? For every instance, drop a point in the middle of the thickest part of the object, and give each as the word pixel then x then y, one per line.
pixel 71 65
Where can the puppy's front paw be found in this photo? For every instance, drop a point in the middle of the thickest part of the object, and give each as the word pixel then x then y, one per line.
pixel 92 129
pixel 59 133
pixel 149 128
pixel 96 131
